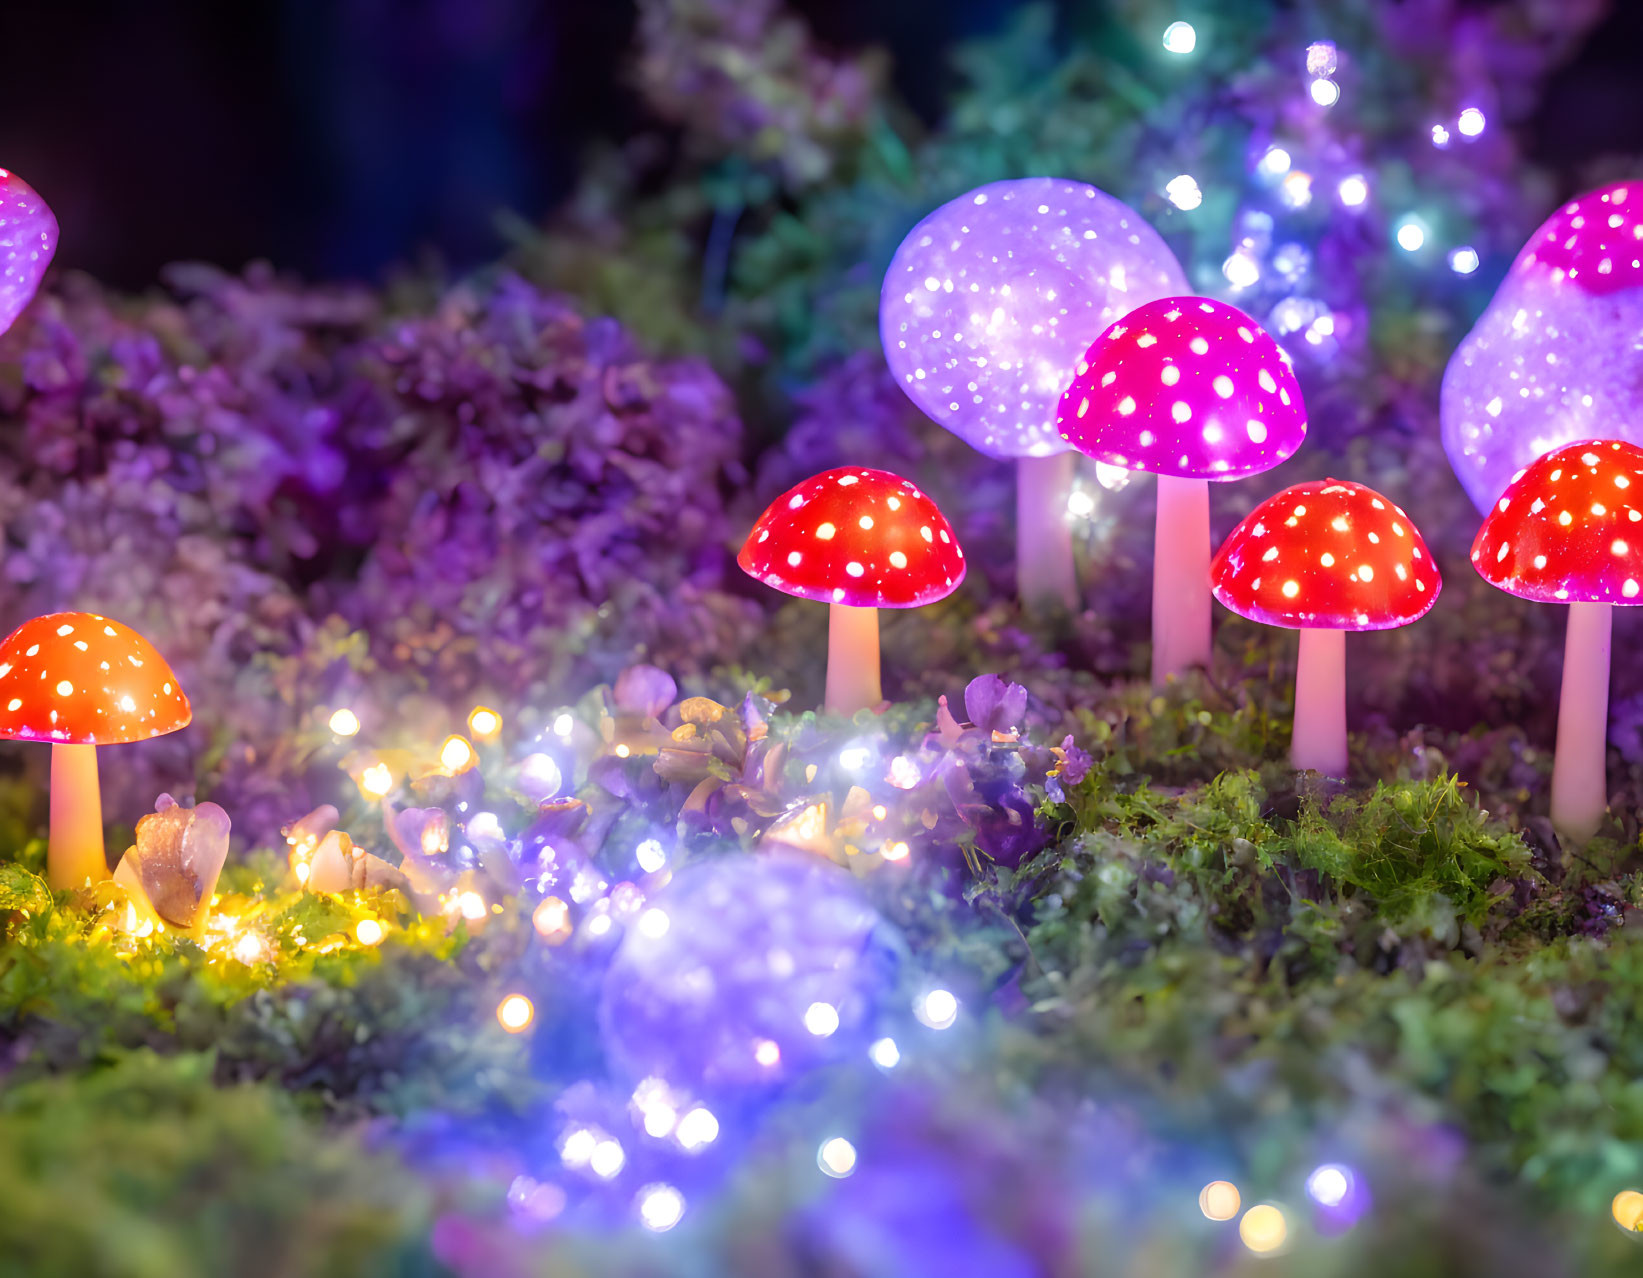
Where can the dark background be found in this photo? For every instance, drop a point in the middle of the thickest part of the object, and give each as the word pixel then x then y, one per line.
pixel 338 137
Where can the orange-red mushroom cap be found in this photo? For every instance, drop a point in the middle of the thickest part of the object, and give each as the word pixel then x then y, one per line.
pixel 865 538
pixel 1569 527
pixel 1327 555
pixel 74 678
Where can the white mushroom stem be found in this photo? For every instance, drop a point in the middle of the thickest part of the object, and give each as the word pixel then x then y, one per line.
pixel 1044 574
pixel 1580 792
pixel 75 853
pixel 852 659
pixel 1180 578
pixel 1319 743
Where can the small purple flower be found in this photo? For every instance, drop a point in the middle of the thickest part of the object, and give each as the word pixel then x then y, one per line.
pixel 1075 763
pixel 995 706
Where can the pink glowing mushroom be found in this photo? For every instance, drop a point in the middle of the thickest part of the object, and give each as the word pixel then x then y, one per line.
pixel 1569 530
pixel 1323 558
pixel 28 238
pixel 78 681
pixel 1191 390
pixel 857 540
pixel 986 307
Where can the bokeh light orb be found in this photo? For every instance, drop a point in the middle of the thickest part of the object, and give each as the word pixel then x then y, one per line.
pixel 1263 1228
pixel 1219 1200
pixel 1558 354
pixel 991 300
pixel 1627 1210
pixel 764 954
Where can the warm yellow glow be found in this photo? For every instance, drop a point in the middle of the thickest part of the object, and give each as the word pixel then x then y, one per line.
pixel 1219 1200
pixel 344 722
pixel 896 851
pixel 250 948
pixel 552 920
pixel 1627 1209
pixel 515 1013
pixel 1263 1228
pixel 471 906
pixel 484 722
pixel 377 780
pixel 622 751
pixel 456 755
pixel 368 931
pixel 302 870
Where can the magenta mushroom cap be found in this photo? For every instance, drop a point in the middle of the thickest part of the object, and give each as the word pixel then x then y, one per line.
pixel 28 239
pixel 854 536
pixel 1185 386
pixel 1595 242
pixel 1328 554
pixel 1569 527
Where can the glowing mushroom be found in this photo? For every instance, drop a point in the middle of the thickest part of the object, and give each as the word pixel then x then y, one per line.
pixel 1323 558
pixel 1555 358
pixel 1569 529
pixel 1191 390
pixel 80 681
pixel 986 307
pixel 28 238
pixel 858 540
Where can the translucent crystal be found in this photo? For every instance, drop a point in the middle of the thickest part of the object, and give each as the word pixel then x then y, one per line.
pixel 174 866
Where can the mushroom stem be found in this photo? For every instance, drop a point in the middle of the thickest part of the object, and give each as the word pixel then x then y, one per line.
pixel 1044 574
pixel 852 659
pixel 1319 742
pixel 1180 578
pixel 1580 792
pixel 76 850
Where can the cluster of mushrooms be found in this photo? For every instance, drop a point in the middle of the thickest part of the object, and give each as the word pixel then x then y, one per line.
pixel 1039 316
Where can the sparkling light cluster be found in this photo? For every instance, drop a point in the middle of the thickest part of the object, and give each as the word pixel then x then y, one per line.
pixel 1185 386
pixel 865 538
pixel 773 965
pixel 991 300
pixel 1569 528
pixel 28 239
pixel 1558 354
pixel 1328 554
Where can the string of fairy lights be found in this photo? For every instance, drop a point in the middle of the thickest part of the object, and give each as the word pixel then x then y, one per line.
pixel 1294 187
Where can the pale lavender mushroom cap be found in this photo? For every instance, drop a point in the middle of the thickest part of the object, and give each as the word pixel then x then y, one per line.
pixel 1558 355
pixel 991 301
pixel 28 238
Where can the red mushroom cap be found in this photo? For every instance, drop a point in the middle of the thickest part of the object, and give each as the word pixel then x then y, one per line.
pixel 1327 555
pixel 1185 386
pixel 75 678
pixel 854 536
pixel 1569 527
pixel 1595 241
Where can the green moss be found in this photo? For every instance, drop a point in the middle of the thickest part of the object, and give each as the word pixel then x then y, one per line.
pixel 148 1169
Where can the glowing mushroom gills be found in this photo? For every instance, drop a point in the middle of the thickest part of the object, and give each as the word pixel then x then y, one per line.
pixel 858 540
pixel 78 680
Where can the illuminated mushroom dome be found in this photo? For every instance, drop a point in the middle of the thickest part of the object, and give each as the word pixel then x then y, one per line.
pixel 1185 386
pixel 1558 355
pixel 80 678
pixel 856 536
pixel 28 239
pixel 992 299
pixel 1328 554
